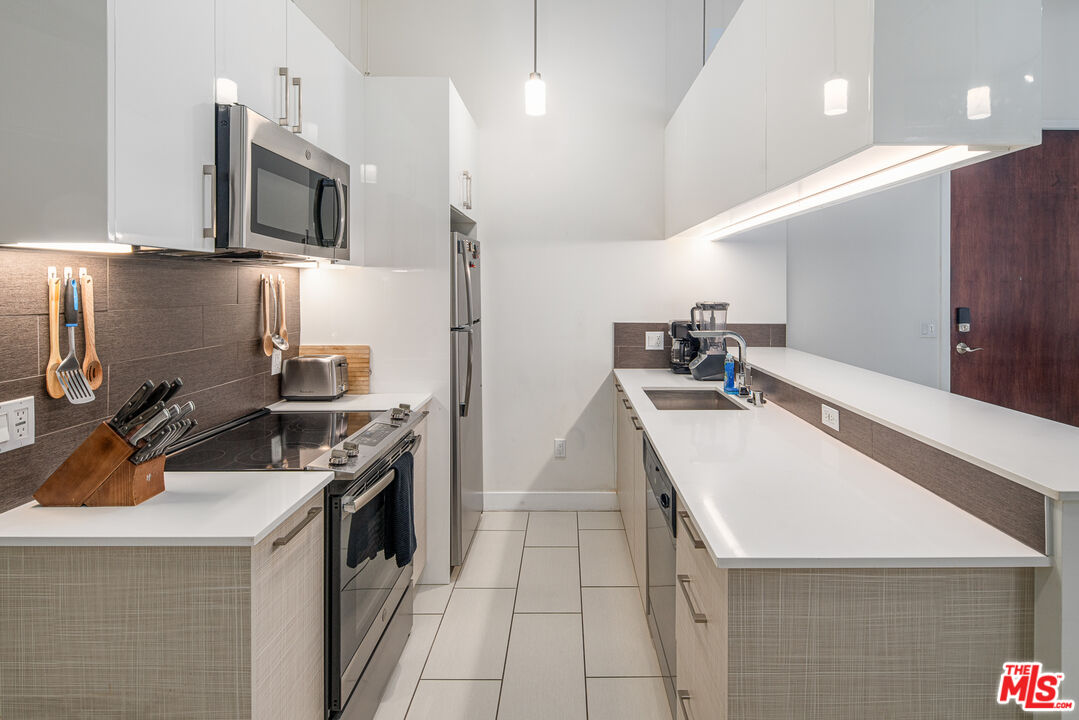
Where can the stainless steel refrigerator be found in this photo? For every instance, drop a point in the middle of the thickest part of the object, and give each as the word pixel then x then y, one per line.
pixel 466 395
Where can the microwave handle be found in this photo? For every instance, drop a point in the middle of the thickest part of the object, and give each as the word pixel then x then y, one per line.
pixel 342 212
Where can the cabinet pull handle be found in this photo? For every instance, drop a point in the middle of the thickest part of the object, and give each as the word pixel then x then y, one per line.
pixel 625 403
pixel 283 74
pixel 691 532
pixel 466 190
pixel 285 540
pixel 470 191
pixel 683 701
pixel 298 127
pixel 636 423
pixel 618 387
pixel 211 172
pixel 698 616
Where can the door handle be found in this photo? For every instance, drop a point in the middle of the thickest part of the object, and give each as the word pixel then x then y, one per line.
pixel 962 348
pixel 690 531
pixel 298 127
pixel 283 73
pixel 683 700
pixel 342 214
pixel 210 171
pixel 697 615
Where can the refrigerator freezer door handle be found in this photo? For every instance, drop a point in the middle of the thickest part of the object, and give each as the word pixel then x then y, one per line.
pixel 468 376
pixel 462 250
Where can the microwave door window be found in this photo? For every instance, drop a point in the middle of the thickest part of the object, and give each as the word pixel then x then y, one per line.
pixel 282 197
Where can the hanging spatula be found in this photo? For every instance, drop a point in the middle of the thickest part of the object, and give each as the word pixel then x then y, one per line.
pixel 70 373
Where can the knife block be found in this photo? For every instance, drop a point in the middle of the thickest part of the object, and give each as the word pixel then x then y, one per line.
pixel 130 484
pixel 99 473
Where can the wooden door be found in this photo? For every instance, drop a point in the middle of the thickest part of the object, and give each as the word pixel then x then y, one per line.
pixel 1015 264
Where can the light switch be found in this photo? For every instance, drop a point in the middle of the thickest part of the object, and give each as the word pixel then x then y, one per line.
pixel 653 340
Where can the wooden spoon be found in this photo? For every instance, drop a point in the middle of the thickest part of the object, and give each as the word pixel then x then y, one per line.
pixel 52 383
pixel 91 364
pixel 267 341
pixel 282 331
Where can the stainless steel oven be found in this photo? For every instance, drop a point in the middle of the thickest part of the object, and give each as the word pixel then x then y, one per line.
pixel 369 598
pixel 276 193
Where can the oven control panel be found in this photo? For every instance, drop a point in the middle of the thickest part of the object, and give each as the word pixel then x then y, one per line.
pixel 351 457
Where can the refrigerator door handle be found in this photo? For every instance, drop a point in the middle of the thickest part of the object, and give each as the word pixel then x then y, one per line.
pixel 462 250
pixel 468 375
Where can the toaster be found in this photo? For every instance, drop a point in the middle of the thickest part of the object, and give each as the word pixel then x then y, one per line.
pixel 314 377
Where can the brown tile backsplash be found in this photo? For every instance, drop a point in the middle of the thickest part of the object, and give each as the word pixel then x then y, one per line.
pixel 156 318
pixel 1006 505
pixel 629 349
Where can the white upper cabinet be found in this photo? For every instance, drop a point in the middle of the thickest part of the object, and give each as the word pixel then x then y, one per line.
pixel 464 157
pixel 318 85
pixel 163 122
pixel 916 88
pixel 418 139
pixel 114 124
pixel 250 38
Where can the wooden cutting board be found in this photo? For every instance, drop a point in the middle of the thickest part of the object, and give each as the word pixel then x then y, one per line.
pixel 359 363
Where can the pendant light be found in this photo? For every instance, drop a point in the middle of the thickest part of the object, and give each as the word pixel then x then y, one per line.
pixel 535 88
pixel 835 90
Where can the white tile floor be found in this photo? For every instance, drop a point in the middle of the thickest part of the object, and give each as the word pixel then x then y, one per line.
pixel 544 621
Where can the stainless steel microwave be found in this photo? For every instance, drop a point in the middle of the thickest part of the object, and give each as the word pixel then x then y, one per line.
pixel 276 194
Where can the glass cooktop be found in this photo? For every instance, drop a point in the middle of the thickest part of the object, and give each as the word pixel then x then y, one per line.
pixel 278 441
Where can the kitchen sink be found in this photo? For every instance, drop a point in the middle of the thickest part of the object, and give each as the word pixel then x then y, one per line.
pixel 704 399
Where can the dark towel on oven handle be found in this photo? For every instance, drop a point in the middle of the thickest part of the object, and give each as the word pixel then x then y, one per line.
pixel 366 535
pixel 399 516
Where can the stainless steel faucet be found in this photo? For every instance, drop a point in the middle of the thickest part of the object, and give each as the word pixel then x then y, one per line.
pixel 742 379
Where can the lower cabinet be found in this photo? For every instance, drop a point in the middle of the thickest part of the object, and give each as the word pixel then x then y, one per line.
pixel 288 624
pixel 192 632
pixel 630 484
pixel 700 628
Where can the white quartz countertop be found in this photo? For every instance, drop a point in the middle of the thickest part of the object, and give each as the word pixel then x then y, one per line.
pixel 1032 451
pixel 353 403
pixel 767 489
pixel 197 508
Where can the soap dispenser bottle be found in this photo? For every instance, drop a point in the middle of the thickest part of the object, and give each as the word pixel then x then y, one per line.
pixel 728 375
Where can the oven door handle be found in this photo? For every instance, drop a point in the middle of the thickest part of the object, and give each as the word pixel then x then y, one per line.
pixel 353 504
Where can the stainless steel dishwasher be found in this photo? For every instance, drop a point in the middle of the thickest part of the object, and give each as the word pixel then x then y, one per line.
pixel 660 513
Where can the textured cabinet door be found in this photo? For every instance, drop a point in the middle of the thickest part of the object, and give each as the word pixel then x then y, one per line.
pixel 320 103
pixel 419 505
pixel 638 542
pixel 287 619
pixel 701 646
pixel 250 38
pixel 621 421
pixel 163 70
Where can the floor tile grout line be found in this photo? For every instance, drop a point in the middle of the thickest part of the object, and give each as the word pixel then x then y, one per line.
pixel 513 612
pixel 580 589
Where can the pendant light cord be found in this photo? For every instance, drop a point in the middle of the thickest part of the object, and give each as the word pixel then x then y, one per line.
pixel 835 42
pixel 704 32
pixel 535 34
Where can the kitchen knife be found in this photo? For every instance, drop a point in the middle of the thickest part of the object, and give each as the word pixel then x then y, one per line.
pixel 155 396
pixel 174 387
pixel 189 424
pixel 124 413
pixel 154 423
pixel 141 418
pixel 185 409
pixel 165 437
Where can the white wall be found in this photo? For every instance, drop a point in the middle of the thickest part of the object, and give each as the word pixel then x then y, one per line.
pixel 863 276
pixel 1060 64
pixel 572 219
pixel 693 29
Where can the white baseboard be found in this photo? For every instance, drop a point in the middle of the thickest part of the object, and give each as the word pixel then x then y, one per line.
pixel 594 500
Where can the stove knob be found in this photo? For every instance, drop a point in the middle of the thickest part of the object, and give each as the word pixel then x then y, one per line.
pixel 349 445
pixel 405 408
pixel 337 461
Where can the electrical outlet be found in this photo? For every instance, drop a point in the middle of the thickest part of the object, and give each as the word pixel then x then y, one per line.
pixel 653 340
pixel 929 329
pixel 829 416
pixel 16 424
pixel 560 447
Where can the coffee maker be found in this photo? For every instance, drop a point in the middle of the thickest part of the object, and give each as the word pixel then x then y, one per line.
pixel 683 346
pixel 712 353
